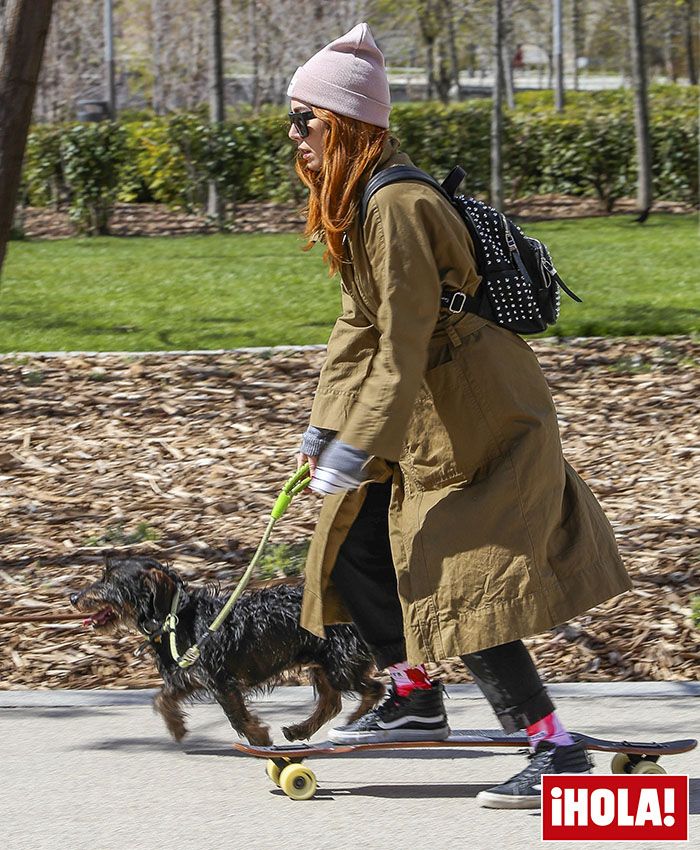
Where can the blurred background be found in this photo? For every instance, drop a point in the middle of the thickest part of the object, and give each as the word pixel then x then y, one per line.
pixel 434 49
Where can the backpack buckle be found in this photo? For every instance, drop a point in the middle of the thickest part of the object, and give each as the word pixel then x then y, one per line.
pixel 457 302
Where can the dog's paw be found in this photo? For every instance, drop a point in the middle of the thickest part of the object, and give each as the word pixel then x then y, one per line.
pixel 295 733
pixel 256 734
pixel 177 731
pixel 259 739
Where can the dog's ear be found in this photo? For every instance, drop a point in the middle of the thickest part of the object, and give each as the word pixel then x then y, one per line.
pixel 111 562
pixel 162 587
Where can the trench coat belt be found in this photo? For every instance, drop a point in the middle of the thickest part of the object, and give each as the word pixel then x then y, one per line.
pixel 465 325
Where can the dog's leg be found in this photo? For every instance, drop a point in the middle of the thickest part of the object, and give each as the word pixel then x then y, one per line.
pixel 167 703
pixel 327 707
pixel 371 691
pixel 242 720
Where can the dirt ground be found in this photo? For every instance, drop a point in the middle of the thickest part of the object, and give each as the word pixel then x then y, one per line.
pixel 182 457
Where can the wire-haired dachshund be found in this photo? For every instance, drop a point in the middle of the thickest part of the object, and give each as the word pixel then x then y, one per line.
pixel 260 639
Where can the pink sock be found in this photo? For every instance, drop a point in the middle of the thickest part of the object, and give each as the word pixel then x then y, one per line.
pixel 407 678
pixel 549 729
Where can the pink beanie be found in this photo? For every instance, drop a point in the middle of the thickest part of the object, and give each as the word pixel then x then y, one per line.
pixel 348 77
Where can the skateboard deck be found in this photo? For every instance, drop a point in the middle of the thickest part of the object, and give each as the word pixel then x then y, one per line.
pixel 285 768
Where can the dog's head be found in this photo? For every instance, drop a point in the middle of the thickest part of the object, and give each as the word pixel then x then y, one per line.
pixel 135 593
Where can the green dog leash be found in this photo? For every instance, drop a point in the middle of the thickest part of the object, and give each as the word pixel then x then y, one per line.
pixel 292 488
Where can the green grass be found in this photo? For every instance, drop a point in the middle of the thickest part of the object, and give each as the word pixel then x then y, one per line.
pixel 226 291
pixel 635 280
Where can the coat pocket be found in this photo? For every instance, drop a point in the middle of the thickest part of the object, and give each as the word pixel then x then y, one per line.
pixel 448 439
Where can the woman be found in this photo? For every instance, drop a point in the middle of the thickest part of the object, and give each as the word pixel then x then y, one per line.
pixel 452 524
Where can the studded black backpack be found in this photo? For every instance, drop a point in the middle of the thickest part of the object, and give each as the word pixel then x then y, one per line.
pixel 519 287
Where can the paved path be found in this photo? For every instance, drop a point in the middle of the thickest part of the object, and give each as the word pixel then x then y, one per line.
pixel 95 769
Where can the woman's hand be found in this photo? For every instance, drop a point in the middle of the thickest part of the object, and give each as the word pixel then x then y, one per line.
pixel 312 460
pixel 313 442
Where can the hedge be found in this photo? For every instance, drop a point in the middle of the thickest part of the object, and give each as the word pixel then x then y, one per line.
pixel 587 150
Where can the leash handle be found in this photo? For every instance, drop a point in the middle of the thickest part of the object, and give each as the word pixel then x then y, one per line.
pixel 292 488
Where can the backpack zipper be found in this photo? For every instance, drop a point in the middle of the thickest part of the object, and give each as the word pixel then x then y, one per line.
pixel 546 266
pixel 513 248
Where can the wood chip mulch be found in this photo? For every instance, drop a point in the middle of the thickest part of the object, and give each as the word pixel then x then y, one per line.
pixel 182 457
pixel 268 217
pixel 160 220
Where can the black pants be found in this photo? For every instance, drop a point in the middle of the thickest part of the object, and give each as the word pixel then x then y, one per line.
pixel 365 578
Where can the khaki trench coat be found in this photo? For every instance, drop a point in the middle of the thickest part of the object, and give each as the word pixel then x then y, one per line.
pixel 494 536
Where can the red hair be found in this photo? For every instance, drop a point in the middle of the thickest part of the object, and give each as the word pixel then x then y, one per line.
pixel 352 148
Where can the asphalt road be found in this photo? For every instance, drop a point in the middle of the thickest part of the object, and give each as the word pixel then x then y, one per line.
pixel 96 769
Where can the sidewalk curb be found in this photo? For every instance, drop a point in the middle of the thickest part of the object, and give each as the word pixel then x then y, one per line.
pixel 139 697
pixel 194 352
pixel 260 349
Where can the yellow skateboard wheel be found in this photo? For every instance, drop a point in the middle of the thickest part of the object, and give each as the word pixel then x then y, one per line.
pixel 298 782
pixel 620 763
pixel 273 771
pixel 647 766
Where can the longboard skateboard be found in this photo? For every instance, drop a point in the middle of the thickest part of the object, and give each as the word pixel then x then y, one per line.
pixel 285 768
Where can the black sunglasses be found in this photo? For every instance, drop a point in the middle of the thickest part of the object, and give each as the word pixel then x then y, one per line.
pixel 300 120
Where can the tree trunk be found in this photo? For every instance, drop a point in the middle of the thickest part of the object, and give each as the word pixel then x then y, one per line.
pixel 443 79
pixel 430 70
pixel 216 65
pixel 575 38
pixel 109 69
pixel 497 109
pixel 216 97
pixel 558 54
pixel 669 64
pixel 156 56
pixel 452 38
pixel 507 54
pixel 255 47
pixel 26 26
pixel 641 109
pixel 429 23
pixel 507 71
pixel 690 53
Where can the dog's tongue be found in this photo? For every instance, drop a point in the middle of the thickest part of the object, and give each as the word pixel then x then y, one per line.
pixel 98 618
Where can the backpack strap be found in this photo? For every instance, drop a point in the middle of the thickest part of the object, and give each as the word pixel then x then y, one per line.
pixel 455 302
pixel 451 183
pixel 399 173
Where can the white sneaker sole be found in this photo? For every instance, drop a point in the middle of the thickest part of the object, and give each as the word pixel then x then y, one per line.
pixel 387 736
pixel 488 800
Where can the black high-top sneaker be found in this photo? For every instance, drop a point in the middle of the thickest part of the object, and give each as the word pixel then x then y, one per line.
pixel 522 791
pixel 420 716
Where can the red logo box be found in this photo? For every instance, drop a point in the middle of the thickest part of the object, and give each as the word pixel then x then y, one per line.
pixel 646 807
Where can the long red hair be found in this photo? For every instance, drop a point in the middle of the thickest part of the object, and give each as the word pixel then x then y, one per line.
pixel 352 148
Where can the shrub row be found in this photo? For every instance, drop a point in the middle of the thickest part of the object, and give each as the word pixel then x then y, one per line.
pixel 587 150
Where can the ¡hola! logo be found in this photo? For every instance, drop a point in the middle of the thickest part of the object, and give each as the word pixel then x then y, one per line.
pixel 582 807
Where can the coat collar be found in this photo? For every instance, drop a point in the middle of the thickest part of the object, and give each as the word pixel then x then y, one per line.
pixel 391 155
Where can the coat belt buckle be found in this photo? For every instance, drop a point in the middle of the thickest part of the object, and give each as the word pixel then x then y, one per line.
pixel 457 298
